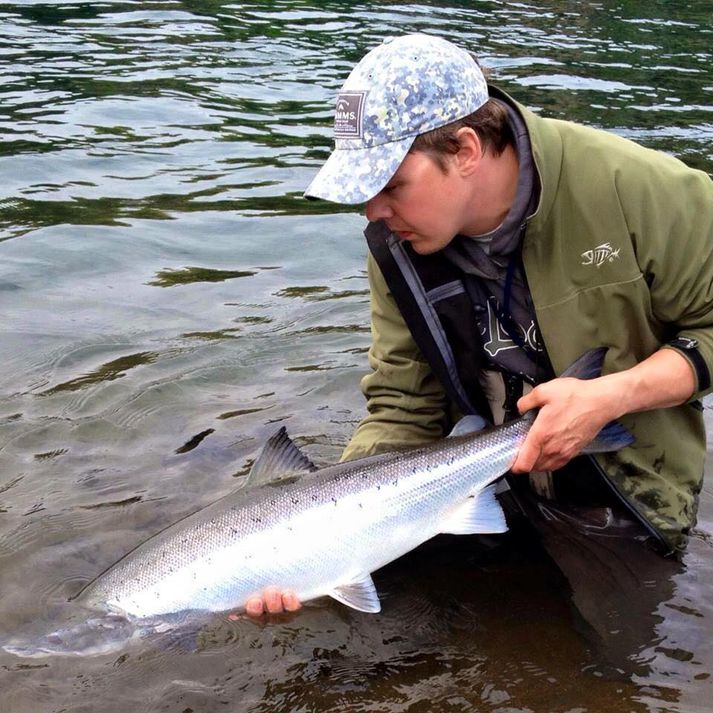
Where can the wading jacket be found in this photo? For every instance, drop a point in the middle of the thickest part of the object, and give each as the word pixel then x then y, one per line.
pixel 619 253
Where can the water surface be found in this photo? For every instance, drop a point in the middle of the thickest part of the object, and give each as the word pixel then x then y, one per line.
pixel 168 300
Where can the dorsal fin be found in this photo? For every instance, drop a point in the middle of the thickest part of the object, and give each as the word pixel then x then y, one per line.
pixel 279 457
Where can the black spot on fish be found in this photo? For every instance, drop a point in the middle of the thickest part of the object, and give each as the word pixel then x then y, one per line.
pixel 295 501
pixel 334 500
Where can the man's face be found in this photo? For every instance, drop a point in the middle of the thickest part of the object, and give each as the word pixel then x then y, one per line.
pixel 421 203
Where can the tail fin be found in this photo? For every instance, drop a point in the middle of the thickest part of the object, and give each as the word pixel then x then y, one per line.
pixel 611 438
pixel 587 366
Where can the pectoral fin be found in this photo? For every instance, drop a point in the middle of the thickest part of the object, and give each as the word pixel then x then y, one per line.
pixel 468 425
pixel 479 514
pixel 360 594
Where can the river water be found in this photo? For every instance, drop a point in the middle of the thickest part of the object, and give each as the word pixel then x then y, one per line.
pixel 168 299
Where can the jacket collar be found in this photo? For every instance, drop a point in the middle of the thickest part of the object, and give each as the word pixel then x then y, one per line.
pixel 546 145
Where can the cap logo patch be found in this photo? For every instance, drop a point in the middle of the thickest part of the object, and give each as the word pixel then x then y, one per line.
pixel 348 115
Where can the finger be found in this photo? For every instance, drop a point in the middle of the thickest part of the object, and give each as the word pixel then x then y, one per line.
pixel 290 601
pixel 524 404
pixel 526 458
pixel 529 401
pixel 531 453
pixel 254 607
pixel 273 600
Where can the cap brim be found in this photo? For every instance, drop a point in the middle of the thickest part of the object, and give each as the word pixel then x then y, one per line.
pixel 353 176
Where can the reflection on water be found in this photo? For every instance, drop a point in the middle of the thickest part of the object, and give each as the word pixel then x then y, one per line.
pixel 167 144
pixel 187 275
pixel 114 369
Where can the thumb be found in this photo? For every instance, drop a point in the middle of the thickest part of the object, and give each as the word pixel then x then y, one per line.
pixel 528 402
pixel 526 457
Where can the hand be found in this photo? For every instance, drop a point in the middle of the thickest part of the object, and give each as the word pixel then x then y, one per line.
pixel 573 411
pixel 274 601
pixel 571 414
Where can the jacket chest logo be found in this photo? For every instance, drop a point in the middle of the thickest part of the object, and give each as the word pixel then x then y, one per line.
pixel 601 254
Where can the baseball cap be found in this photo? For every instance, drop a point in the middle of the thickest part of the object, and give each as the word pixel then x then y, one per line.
pixel 404 87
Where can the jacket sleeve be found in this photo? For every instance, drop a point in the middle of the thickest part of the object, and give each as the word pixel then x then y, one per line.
pixel 406 404
pixel 670 218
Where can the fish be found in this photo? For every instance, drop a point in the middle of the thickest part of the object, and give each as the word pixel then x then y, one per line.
pixel 319 532
pixel 601 254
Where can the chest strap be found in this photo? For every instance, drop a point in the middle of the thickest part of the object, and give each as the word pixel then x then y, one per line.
pixel 399 265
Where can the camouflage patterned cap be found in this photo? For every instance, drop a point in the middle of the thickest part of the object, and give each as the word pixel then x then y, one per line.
pixel 404 87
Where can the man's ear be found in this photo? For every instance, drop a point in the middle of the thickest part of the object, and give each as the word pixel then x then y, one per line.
pixel 470 150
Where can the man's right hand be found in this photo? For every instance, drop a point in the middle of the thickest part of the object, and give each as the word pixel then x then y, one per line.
pixel 273 601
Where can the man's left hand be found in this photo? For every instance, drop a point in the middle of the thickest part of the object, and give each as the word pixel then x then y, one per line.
pixel 573 411
pixel 571 414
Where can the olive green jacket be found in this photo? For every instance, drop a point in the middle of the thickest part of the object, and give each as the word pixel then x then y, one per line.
pixel 619 253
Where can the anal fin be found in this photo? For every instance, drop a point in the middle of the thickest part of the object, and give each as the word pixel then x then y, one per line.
pixel 360 594
pixel 478 515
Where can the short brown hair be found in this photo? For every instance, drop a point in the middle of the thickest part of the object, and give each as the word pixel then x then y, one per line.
pixel 490 123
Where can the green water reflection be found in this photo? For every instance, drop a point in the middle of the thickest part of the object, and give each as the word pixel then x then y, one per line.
pixel 189 275
pixel 115 369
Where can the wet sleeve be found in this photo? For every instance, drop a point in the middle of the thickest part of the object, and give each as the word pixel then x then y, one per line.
pixel 406 405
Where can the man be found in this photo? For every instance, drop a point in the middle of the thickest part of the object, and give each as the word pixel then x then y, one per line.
pixel 502 246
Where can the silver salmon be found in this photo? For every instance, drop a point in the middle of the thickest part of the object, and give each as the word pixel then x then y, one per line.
pixel 317 532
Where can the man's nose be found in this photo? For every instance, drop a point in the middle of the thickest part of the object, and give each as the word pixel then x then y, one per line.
pixel 378 208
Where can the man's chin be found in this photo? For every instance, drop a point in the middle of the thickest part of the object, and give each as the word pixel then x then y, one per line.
pixel 424 248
